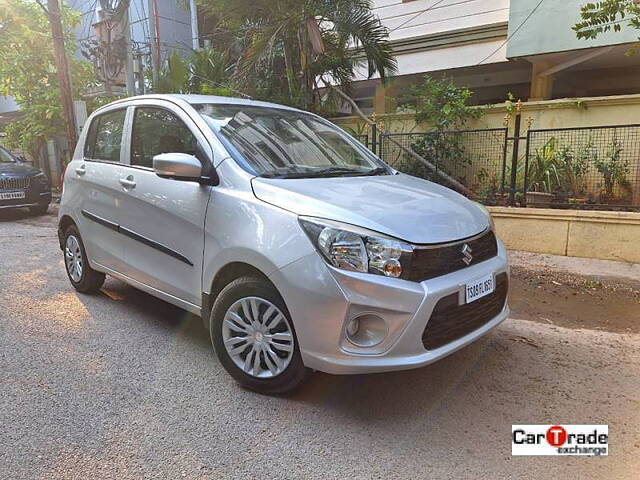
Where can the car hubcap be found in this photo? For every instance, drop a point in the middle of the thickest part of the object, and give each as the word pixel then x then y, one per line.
pixel 257 337
pixel 73 258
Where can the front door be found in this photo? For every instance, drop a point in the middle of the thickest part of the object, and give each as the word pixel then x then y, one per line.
pixel 163 219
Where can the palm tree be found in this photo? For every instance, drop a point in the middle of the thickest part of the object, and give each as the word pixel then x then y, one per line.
pixel 320 42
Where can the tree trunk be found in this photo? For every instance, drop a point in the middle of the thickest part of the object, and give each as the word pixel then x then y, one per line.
pixel 64 78
pixel 308 77
pixel 291 76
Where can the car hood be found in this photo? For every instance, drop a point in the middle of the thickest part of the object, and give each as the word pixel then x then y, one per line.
pixel 17 169
pixel 405 207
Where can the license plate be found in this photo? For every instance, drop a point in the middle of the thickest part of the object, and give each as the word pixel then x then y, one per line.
pixel 11 195
pixel 479 288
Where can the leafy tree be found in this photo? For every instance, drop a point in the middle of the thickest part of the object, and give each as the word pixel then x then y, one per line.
pixel 303 44
pixel 28 72
pixel 173 76
pixel 600 17
pixel 210 73
pixel 443 106
pixel 207 71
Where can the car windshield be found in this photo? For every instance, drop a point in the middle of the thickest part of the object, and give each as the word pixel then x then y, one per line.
pixel 281 143
pixel 6 157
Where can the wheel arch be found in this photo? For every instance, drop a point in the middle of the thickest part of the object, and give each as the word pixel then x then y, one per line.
pixel 63 224
pixel 225 275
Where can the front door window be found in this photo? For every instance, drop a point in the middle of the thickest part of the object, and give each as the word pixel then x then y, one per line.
pixel 156 131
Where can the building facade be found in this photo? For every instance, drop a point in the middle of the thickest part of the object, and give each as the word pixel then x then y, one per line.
pixel 173 25
pixel 173 22
pixel 494 47
pixel 170 29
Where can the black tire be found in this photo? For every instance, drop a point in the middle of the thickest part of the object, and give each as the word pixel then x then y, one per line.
pixel 90 281
pixel 293 375
pixel 39 209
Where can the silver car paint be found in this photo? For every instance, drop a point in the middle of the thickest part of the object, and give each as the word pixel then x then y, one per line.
pixel 423 212
pixel 255 221
pixel 180 165
pixel 322 307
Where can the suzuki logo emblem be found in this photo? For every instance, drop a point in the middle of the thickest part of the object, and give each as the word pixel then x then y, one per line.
pixel 466 254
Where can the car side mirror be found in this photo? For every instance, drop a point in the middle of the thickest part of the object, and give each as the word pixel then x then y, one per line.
pixel 180 166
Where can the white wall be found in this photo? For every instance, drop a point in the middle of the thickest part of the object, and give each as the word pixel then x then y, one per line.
pixel 548 28
pixel 415 19
pixel 404 20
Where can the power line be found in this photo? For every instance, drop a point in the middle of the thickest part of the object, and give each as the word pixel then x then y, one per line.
pixel 455 18
pixel 509 37
pixel 141 18
pixel 400 15
pixel 416 15
pixel 387 6
pixel 91 13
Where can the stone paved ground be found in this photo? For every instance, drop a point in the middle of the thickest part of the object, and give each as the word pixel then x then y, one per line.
pixel 121 385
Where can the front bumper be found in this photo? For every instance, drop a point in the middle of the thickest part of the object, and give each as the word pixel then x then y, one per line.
pixel 322 299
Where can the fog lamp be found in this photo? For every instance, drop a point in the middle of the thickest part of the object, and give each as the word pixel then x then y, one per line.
pixel 366 330
pixel 353 326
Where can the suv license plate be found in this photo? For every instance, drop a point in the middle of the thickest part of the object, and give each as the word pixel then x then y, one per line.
pixel 12 195
pixel 479 288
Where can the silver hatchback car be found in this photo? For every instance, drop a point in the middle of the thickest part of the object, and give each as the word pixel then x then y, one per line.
pixel 298 247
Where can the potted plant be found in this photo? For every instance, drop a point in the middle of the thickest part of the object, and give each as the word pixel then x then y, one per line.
pixel 573 168
pixel 543 175
pixel 614 170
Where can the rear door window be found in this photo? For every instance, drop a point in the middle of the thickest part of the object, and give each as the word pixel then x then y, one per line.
pixel 105 137
pixel 156 131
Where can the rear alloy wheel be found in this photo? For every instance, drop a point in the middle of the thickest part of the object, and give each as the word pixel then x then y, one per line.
pixel 73 258
pixel 83 278
pixel 254 338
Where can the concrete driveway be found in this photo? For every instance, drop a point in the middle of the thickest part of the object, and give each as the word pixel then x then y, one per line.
pixel 122 385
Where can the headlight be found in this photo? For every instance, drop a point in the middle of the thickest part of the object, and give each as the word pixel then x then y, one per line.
pixel 357 249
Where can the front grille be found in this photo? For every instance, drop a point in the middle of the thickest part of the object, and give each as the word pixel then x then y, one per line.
pixel 14 183
pixel 450 321
pixel 431 262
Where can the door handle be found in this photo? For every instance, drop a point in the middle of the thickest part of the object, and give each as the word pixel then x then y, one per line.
pixel 128 182
pixel 81 170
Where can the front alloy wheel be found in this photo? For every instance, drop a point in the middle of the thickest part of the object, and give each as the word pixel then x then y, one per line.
pixel 254 337
pixel 257 337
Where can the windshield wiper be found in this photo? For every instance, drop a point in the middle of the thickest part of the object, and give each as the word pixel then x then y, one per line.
pixel 325 172
pixel 377 171
pixel 330 171
pixel 336 171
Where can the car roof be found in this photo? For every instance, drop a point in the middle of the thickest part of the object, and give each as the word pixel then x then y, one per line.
pixel 202 99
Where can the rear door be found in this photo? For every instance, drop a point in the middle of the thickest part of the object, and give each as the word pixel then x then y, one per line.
pixel 163 219
pixel 98 175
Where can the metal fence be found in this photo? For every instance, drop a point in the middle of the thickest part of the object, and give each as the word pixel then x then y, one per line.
pixel 475 159
pixel 588 167
pixel 596 168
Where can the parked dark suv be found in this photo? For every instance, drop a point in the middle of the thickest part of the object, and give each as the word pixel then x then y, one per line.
pixel 22 185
